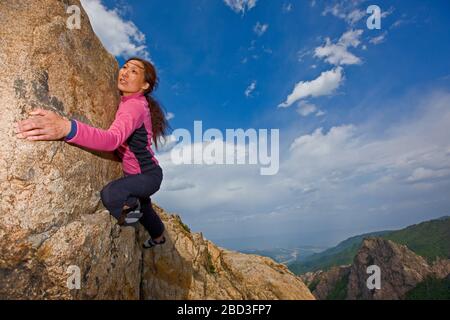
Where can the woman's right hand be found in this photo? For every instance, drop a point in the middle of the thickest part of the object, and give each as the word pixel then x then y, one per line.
pixel 43 125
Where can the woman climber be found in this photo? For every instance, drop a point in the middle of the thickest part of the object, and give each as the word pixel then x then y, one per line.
pixel 138 120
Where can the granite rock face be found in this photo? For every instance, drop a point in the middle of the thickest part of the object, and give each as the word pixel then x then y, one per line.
pixel 401 270
pixel 50 190
pixel 189 266
pixel 52 222
pixel 323 283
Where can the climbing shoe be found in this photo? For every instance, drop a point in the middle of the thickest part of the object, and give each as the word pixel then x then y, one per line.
pixel 130 215
pixel 151 243
pixel 134 215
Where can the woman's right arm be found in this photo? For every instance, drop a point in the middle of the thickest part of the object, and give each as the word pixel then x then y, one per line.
pixel 127 121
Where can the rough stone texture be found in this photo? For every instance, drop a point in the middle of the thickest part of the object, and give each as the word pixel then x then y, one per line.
pixel 325 282
pixel 441 268
pixel 48 188
pixel 51 216
pixel 108 257
pixel 401 271
pixel 191 267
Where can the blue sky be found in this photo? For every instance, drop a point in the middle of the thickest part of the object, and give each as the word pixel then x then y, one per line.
pixel 364 140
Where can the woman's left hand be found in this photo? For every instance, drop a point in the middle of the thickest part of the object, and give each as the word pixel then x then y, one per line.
pixel 43 125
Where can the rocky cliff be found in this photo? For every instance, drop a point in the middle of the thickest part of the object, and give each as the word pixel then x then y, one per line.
pixel 324 284
pixel 401 270
pixel 191 267
pixel 51 216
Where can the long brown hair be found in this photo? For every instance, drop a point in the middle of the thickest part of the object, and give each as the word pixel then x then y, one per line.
pixel 159 121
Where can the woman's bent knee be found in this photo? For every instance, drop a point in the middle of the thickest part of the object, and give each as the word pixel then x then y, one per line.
pixel 104 196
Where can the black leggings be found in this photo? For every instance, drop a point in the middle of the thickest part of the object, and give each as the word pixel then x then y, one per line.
pixel 128 189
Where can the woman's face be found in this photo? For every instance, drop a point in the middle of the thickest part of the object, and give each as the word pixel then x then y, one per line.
pixel 131 78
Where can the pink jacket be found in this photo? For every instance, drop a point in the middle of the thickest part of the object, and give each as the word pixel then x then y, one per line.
pixel 129 136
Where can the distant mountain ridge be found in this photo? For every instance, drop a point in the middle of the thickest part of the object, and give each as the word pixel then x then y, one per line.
pixel 403 275
pixel 285 255
pixel 429 239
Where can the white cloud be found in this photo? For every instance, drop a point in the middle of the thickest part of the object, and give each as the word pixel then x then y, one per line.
pixel 349 176
pixel 301 54
pixel 260 29
pixel 403 152
pixel 320 144
pixel 120 37
pixel 385 14
pixel 320 113
pixel 287 7
pixel 177 184
pixel 403 20
pixel 346 10
pixel 305 109
pixel 351 11
pixel 379 39
pixel 241 6
pixel 324 85
pixel 423 175
pixel 170 116
pixel 250 89
pixel 351 38
pixel 354 16
pixel 397 23
pixel 338 54
pixel 256 51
